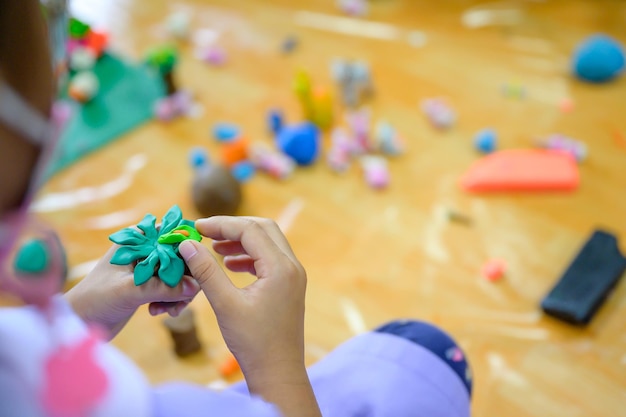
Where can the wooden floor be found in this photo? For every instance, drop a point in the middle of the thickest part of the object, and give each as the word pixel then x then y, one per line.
pixel 375 256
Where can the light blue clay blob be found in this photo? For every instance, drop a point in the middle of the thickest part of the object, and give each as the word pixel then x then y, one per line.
pixel 145 269
pixel 128 254
pixel 171 219
pixel 148 226
pixel 172 267
pixel 129 237
pixel 32 258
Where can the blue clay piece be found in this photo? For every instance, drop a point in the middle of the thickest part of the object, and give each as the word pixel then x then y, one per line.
pixel 485 141
pixel 275 121
pixel 225 132
pixel 598 59
pixel 198 158
pixel 243 171
pixel 289 44
pixel 32 258
pixel 300 142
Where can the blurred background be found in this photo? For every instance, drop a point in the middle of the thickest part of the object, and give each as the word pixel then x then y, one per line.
pixel 385 231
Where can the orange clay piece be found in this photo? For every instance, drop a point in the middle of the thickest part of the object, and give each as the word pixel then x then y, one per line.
pixel 181 232
pixel 229 367
pixel 619 139
pixel 522 170
pixel 77 95
pixel 97 42
pixel 234 151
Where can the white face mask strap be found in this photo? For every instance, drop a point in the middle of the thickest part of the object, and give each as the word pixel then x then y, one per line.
pixel 22 118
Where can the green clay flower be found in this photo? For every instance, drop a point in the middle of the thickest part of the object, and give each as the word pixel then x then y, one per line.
pixel 155 247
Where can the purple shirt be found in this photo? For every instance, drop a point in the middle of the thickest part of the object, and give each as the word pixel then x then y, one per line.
pixel 374 375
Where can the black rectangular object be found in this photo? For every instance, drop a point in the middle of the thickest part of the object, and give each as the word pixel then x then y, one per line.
pixel 587 281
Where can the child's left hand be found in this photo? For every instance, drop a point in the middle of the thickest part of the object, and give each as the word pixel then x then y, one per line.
pixel 108 297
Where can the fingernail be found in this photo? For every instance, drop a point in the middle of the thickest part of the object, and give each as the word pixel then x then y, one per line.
pixel 180 309
pixel 187 250
pixel 175 312
pixel 200 223
pixel 190 288
pixel 155 311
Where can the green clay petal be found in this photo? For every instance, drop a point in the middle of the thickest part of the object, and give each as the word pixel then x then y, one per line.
pixel 171 219
pixel 128 254
pixel 145 269
pixel 190 223
pixel 172 267
pixel 193 233
pixel 148 226
pixel 128 237
pixel 173 237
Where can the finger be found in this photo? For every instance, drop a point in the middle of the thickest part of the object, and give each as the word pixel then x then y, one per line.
pixel 228 247
pixel 160 307
pixel 175 310
pixel 253 237
pixel 157 308
pixel 156 290
pixel 276 234
pixel 206 270
pixel 240 263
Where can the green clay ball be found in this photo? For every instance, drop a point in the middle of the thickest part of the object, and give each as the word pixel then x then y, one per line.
pixel 78 29
pixel 32 258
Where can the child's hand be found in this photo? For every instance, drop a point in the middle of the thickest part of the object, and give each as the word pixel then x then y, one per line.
pixel 108 297
pixel 263 323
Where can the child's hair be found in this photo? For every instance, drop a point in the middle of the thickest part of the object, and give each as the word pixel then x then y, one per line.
pixel 26 68
pixel 24 57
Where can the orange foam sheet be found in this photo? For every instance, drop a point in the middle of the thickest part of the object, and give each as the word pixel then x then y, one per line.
pixel 522 170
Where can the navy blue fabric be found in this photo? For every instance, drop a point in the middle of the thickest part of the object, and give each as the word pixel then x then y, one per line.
pixel 435 340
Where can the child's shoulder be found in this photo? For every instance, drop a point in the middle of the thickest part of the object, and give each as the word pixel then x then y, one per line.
pixel 45 356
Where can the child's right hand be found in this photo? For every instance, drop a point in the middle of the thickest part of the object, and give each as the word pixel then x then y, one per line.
pixel 263 323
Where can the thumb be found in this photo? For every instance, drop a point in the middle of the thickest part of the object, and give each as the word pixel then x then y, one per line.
pixel 216 286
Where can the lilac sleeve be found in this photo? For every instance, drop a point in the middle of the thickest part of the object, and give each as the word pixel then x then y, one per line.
pixel 28 341
pixel 382 375
pixel 187 400
pixel 374 375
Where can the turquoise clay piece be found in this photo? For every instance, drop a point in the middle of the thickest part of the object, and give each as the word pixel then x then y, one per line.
pixel 32 258
pixel 155 247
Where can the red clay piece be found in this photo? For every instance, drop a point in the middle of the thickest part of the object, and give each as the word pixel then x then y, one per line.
pixel 522 170
pixel 494 270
